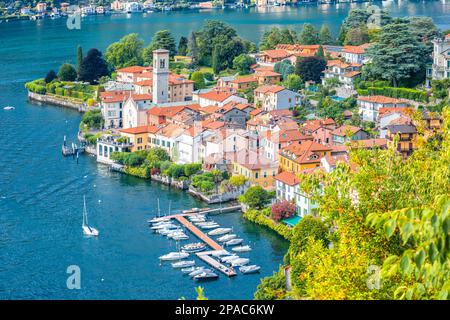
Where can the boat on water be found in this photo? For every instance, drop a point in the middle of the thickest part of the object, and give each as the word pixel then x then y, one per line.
pixel 205 223
pixel 157 219
pixel 166 232
pixel 220 253
pixel 242 249
pixel 193 247
pixel 209 226
pixel 163 226
pixel 87 230
pixel 206 276
pixel 197 220
pixel 219 231
pixel 198 271
pixel 8 108
pixel 226 237
pixel 249 269
pixel 195 210
pixel 234 242
pixel 240 262
pixel 229 258
pixel 183 264
pixel 180 237
pixel 189 269
pixel 174 256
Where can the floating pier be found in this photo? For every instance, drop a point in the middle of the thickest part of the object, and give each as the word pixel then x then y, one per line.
pixel 206 256
pixel 197 232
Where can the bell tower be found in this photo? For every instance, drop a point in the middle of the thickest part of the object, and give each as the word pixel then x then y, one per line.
pixel 161 76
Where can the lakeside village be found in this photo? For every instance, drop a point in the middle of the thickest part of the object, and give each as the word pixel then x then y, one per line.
pixel 34 10
pixel 314 136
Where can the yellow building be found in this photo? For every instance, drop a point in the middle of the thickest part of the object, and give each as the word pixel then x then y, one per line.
pixel 297 157
pixel 255 167
pixel 138 136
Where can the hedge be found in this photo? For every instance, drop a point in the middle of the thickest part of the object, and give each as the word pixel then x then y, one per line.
pixel 141 172
pixel 405 93
pixel 259 218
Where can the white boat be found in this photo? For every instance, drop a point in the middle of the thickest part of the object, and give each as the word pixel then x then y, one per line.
pixel 189 269
pixel 87 230
pixel 210 226
pixel 249 269
pixel 226 238
pixel 206 223
pixel 229 258
pixel 181 237
pixel 8 108
pixel 242 249
pixel 234 242
pixel 183 264
pixel 194 220
pixel 164 226
pixel 220 253
pixel 157 219
pixel 166 232
pixel 240 262
pixel 193 247
pixel 174 256
pixel 199 270
pixel 219 231
pixel 206 275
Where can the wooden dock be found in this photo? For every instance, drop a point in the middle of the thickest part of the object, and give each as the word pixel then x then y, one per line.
pixel 197 232
pixel 206 256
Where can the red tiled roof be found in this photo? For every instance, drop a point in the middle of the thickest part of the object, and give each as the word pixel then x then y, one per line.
pixel 276 53
pixel 381 99
pixel 342 130
pixel 215 95
pixel 245 79
pixel 135 69
pixel 306 152
pixel 140 129
pixel 269 88
pixel 288 178
pixel 121 96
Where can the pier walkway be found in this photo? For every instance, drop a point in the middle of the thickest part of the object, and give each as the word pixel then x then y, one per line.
pixel 196 231
pixel 205 256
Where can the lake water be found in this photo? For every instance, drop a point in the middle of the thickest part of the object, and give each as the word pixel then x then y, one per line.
pixel 41 192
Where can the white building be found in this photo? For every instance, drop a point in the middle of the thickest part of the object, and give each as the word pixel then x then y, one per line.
pixel 218 98
pixel 345 72
pixel 135 111
pixel 189 145
pixel 274 97
pixel 441 58
pixel 369 106
pixel 355 54
pixel 109 144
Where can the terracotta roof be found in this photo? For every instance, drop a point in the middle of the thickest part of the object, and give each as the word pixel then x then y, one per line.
pixel 121 96
pixel 135 69
pixel 245 79
pixel 256 111
pixel 370 143
pixel 276 53
pixel 253 160
pixel 351 74
pixel 356 49
pixel 171 130
pixel 344 129
pixel 287 178
pixel 216 95
pixel 165 111
pixel 269 88
pixel 289 135
pixel 209 109
pixel 388 110
pixel 140 129
pixel 381 99
pixel 213 125
pixel 266 73
pixel 333 160
pixel 313 125
pixel 306 152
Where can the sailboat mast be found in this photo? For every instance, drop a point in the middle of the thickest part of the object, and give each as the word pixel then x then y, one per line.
pixel 85 218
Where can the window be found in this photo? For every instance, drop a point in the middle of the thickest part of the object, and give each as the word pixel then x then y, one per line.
pixel 139 140
pixel 100 149
pixel 256 175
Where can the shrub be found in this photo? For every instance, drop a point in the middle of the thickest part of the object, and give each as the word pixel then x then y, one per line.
pixel 256 197
pixel 283 209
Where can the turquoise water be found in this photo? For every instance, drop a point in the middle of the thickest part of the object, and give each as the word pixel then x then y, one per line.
pixel 41 192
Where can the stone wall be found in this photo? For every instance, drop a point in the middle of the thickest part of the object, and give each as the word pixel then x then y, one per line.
pixel 56 101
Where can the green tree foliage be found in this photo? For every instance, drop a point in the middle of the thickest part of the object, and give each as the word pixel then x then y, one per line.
pixel 199 80
pixel 183 46
pixel 51 75
pixel 275 36
pixel 284 67
pixel 308 227
pixel 293 82
pixel 126 52
pixel 320 52
pixel 357 36
pixel 237 180
pixel 243 62
pixel 424 30
pixel 67 72
pixel 193 47
pixel 272 288
pixel 92 119
pixel 325 36
pixel 397 56
pixel 309 35
pixel 155 157
pixel 256 197
pixel 93 67
pixel 162 39
pixel 310 68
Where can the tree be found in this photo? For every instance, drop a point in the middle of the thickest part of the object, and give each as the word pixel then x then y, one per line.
pixel 199 80
pixel 309 226
pixel 325 36
pixel 310 68
pixel 293 82
pixel 397 55
pixel 67 72
pixel 283 209
pixel 256 197
pixel 275 36
pixel 357 36
pixel 183 46
pixel 309 35
pixel 424 30
pixel 243 62
pixel 93 66
pixel 126 52
pixel 51 75
pixel 79 58
pixel 284 68
pixel 92 119
pixel 320 52
pixel 162 39
pixel 237 180
pixel 192 47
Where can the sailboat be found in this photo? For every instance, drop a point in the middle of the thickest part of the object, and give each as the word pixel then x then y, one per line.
pixel 87 230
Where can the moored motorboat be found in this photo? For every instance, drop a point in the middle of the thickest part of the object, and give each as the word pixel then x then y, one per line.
pixel 229 258
pixel 183 264
pixel 193 247
pixel 158 219
pixel 220 253
pixel 226 237
pixel 249 269
pixel 8 108
pixel 240 262
pixel 234 242
pixel 219 231
pixel 199 270
pixel 242 249
pixel 210 226
pixel 180 237
pixel 174 256
pixel 188 270
pixel 206 276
